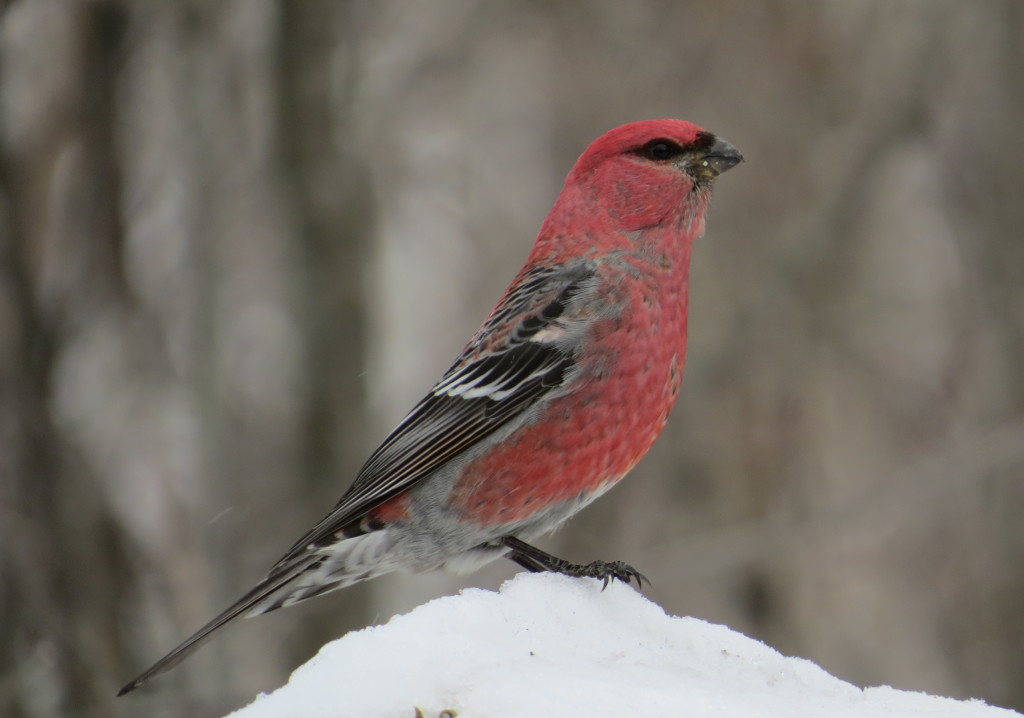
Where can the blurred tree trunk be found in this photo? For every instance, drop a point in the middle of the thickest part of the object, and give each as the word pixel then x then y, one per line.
pixel 325 177
pixel 185 231
pixel 61 546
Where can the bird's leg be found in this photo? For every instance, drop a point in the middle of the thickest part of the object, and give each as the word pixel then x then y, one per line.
pixel 533 559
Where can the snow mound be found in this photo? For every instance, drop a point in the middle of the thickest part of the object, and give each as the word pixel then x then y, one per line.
pixel 549 645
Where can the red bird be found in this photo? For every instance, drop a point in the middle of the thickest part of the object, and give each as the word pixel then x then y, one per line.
pixel 561 392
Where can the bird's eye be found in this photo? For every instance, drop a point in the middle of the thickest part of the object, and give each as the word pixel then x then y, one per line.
pixel 660 150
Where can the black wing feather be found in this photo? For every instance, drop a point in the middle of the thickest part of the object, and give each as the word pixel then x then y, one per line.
pixel 442 425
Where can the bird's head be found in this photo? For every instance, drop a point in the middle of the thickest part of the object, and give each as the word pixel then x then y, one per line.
pixel 653 173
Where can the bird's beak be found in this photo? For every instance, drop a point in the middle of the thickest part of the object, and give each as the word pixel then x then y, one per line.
pixel 718 158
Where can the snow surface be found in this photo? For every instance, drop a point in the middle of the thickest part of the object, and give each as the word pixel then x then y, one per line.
pixel 549 645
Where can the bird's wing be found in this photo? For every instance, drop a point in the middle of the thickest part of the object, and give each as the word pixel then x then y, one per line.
pixel 513 361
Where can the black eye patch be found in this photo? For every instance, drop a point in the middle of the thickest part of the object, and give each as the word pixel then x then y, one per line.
pixel 660 150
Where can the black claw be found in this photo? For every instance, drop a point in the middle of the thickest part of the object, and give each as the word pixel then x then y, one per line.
pixel 533 559
pixel 606 571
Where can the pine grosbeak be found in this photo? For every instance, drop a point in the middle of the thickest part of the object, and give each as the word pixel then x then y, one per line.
pixel 561 392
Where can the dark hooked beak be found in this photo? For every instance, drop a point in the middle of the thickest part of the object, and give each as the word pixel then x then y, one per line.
pixel 721 156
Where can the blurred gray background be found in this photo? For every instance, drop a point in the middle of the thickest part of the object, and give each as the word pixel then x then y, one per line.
pixel 238 240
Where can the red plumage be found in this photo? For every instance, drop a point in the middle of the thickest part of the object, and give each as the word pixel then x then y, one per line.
pixel 559 394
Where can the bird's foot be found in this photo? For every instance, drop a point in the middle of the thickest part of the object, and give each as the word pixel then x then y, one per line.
pixel 533 559
pixel 605 571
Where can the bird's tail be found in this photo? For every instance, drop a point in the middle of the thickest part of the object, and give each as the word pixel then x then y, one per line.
pixel 264 596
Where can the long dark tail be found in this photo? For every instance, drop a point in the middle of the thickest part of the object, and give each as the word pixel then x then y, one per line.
pixel 281 575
